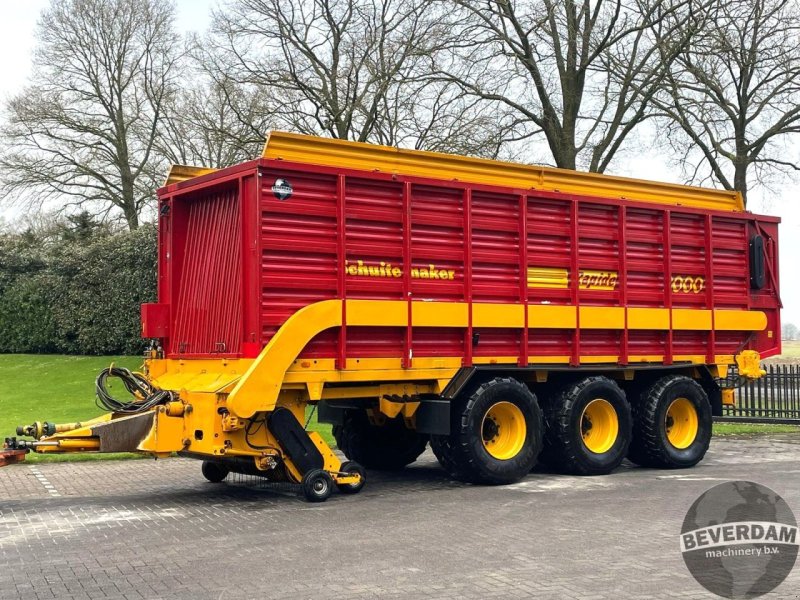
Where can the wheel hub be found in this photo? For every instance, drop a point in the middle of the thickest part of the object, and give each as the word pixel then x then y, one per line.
pixel 503 430
pixel 490 429
pixel 681 423
pixel 599 426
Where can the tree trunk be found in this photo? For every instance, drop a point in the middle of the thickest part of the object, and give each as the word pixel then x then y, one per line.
pixel 740 177
pixel 131 218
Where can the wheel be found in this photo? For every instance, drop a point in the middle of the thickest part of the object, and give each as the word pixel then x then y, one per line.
pixel 317 485
pixel 214 472
pixel 495 434
pixel 443 451
pixel 352 488
pixel 386 447
pixel 672 424
pixel 587 428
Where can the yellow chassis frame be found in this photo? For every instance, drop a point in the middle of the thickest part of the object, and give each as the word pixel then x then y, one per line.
pixel 217 399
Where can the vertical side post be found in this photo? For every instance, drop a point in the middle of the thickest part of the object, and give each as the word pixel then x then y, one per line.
pixel 709 264
pixel 667 246
pixel 341 253
pixel 408 352
pixel 523 276
pixel 467 199
pixel 575 358
pixel 622 251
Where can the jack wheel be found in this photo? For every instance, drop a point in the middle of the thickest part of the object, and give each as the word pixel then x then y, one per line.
pixel 354 468
pixel 317 485
pixel 214 471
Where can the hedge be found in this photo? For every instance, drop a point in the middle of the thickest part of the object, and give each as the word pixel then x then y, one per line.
pixel 75 295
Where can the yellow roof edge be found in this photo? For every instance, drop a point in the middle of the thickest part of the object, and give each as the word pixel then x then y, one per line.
pixel 178 173
pixel 311 149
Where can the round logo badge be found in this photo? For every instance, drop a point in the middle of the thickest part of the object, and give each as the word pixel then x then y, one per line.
pixel 282 189
pixel 739 540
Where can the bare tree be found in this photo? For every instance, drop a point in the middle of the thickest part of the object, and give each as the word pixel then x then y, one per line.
pixel 333 62
pixel 82 133
pixel 733 96
pixel 352 69
pixel 579 72
pixel 214 124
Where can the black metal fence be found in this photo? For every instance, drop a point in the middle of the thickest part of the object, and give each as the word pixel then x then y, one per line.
pixel 773 397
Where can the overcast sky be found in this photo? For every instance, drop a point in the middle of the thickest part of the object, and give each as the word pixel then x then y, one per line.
pixel 16 44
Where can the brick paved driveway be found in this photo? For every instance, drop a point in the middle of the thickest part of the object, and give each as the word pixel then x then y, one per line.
pixel 144 529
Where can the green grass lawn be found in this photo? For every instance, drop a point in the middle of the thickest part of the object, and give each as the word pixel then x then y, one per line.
pixel 60 389
pixel 723 429
pixel 54 388
pixel 790 349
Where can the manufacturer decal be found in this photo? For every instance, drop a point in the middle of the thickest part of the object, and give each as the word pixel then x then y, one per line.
pixel 388 270
pixel 543 277
pixel 686 284
pixel 552 278
pixel 598 280
pixel 282 189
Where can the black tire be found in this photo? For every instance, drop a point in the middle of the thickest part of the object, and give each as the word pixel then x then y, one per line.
pixel 214 472
pixel 651 446
pixel 464 452
pixel 568 425
pixel 352 488
pixel 317 485
pixel 387 447
pixel 443 451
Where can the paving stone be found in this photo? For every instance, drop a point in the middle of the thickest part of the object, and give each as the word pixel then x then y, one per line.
pixel 156 530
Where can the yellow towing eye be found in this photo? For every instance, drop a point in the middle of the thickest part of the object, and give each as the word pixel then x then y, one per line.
pixel 749 364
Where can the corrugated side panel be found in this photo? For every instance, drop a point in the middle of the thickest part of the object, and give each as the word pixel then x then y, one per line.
pixel 731 264
pixel 298 251
pixel 415 240
pixel 644 235
pixel 598 253
pixel 374 243
pixel 208 313
pixel 496 266
pixel 688 256
pixel 549 248
pixel 437 244
pixel 645 264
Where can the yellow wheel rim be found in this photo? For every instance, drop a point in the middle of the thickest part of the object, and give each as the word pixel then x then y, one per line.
pixel 681 423
pixel 599 426
pixel 503 430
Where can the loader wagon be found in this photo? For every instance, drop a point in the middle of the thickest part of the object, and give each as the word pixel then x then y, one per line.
pixel 505 314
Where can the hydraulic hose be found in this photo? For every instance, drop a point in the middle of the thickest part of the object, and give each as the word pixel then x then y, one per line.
pixel 145 395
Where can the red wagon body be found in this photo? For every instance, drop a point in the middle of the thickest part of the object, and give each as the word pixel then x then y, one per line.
pixel 243 249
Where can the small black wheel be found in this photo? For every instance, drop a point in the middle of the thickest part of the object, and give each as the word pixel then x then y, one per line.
pixel 317 485
pixel 356 469
pixel 672 424
pixel 214 471
pixel 587 428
